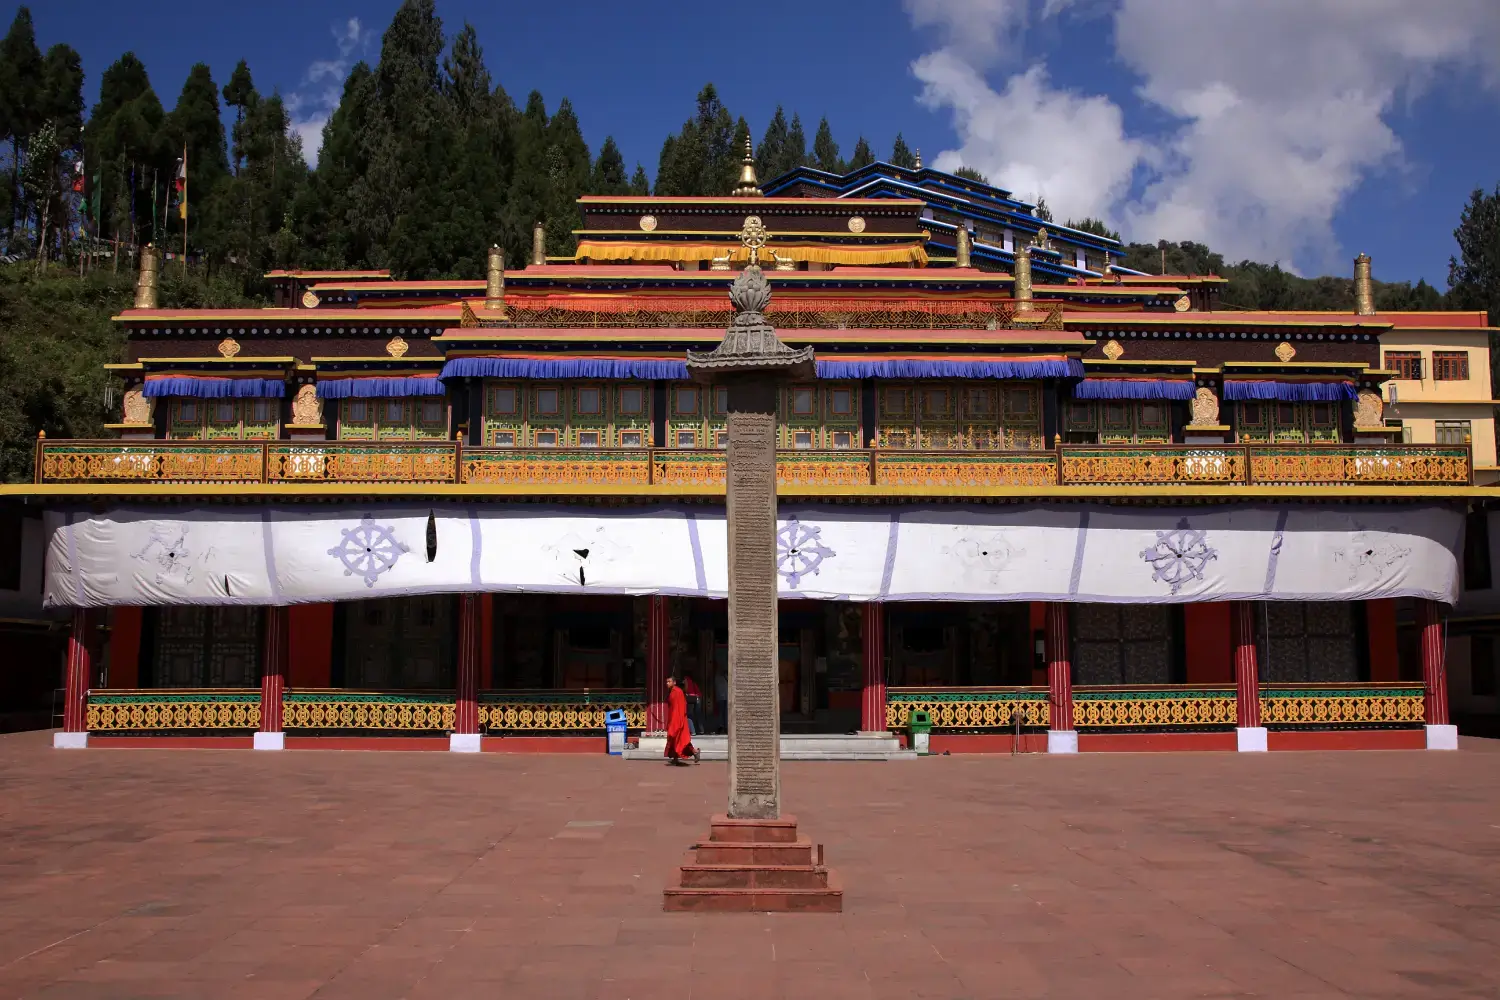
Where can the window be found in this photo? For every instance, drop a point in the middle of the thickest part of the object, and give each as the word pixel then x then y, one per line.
pixel 432 411
pixel 687 439
pixel 1450 366
pixel 505 439
pixel 503 401
pixel 802 402
pixel 894 402
pixel 224 412
pixel 721 401
pixel 546 439
pixel 685 400
pixel 1453 432
pixel 359 411
pixel 1482 665
pixel 1251 412
pixel 1406 364
pixel 187 412
pixel 590 401
pixel 588 439
pixel 631 439
pixel 1477 551
pixel 802 440
pixel 981 402
pixel 395 411
pixel 841 402
pixel 723 439
pixel 548 402
pixel 935 403
pixel 10 549
pixel 843 439
pixel 260 410
pixel 632 401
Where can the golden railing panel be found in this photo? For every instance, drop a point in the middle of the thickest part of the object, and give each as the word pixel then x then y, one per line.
pixel 688 468
pixel 967 709
pixel 554 468
pixel 834 468
pixel 172 711
pixel 372 462
pixel 1338 706
pixel 159 462
pixel 1155 707
pixel 1083 465
pixel 1404 465
pixel 559 711
pixel 367 711
pixel 960 470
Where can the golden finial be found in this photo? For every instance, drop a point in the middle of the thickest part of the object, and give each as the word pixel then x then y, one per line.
pixel 919 159
pixel 748 187
pixel 753 236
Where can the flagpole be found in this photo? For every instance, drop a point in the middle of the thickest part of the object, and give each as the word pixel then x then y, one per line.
pixel 184 208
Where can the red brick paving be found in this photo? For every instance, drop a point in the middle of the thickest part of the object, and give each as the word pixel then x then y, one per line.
pixel 227 874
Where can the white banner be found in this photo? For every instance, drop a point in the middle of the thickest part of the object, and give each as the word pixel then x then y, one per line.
pixel 278 555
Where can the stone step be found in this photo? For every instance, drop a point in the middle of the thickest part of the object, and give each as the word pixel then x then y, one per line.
pixel 718 900
pixel 701 876
pixel 722 829
pixel 807 746
pixel 798 852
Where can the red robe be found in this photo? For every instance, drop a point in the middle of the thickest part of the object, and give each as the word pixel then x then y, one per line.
pixel 679 740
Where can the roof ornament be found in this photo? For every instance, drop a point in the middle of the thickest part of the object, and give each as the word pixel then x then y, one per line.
pixel 1364 290
pixel 538 245
pixel 748 187
pixel 919 159
pixel 494 282
pixel 145 283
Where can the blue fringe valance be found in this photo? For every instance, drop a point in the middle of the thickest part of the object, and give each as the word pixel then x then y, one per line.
pixel 1288 392
pixel 948 368
pixel 616 368
pixel 1133 388
pixel 373 388
pixel 213 388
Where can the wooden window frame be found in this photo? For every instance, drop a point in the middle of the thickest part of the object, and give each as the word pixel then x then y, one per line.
pixel 1406 364
pixel 1450 366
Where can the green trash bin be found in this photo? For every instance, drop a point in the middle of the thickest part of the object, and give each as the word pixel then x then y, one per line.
pixel 919 725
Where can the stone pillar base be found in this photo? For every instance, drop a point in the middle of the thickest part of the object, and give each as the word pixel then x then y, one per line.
pixel 270 741
pixel 1062 741
pixel 755 866
pixel 69 741
pixel 464 742
pixel 1250 739
pixel 1438 737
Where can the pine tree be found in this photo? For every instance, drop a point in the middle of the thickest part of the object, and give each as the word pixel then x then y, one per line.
pixel 1042 211
pixel 901 154
pixel 568 168
pixel 770 155
pixel 530 186
pixel 796 144
pixel 238 93
pixel 1089 224
pixel 640 184
pixel 970 174
pixel 62 93
pixel 862 155
pixel 20 99
pixel 609 170
pixel 482 160
pixel 197 124
pixel 1474 275
pixel 701 159
pixel 124 134
pixel 329 225
pixel 825 151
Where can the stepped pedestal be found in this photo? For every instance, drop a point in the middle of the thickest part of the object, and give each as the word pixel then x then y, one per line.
pixel 755 866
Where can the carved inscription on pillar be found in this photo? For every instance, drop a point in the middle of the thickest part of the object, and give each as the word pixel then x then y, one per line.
pixel 755 718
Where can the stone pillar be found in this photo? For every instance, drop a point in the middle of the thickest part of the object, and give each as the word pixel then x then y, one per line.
pixel 1061 737
pixel 1250 735
pixel 76 673
pixel 465 737
pixel 1440 734
pixel 658 665
pixel 273 661
pixel 872 695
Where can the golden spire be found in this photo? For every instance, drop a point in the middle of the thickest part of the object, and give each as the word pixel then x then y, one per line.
pixel 1364 293
pixel 748 187
pixel 919 159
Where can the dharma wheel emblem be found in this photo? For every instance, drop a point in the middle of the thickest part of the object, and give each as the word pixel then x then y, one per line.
pixel 368 550
pixel 648 223
pixel 753 236
pixel 1179 556
pixel 800 551
pixel 856 224
pixel 309 299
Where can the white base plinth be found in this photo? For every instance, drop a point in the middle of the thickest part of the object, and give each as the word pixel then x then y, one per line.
pixel 652 743
pixel 270 741
pixel 1438 737
pixel 1250 739
pixel 1062 741
pixel 69 741
pixel 463 742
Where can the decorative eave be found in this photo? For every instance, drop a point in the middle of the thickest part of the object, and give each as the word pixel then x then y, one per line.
pixel 479 338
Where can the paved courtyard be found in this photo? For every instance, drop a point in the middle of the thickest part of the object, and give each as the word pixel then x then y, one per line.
pixel 222 874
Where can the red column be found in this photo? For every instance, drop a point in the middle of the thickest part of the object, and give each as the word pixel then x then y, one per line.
pixel 273 663
pixel 1434 673
pixel 872 695
pixel 1059 669
pixel 76 680
pixel 658 653
pixel 1246 670
pixel 466 712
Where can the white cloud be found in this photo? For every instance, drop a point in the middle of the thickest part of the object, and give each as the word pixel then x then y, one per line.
pixel 1280 109
pixel 310 109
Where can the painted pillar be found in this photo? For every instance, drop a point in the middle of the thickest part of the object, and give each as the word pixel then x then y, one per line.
pixel 273 671
pixel 74 734
pixel 465 737
pixel 1061 737
pixel 1250 735
pixel 658 655
pixel 872 640
pixel 1440 734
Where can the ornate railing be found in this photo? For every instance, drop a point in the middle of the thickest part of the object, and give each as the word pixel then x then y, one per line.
pixel 369 711
pixel 545 711
pixel 1297 706
pixel 169 462
pixel 173 710
pixel 967 708
pixel 1154 707
pixel 787 313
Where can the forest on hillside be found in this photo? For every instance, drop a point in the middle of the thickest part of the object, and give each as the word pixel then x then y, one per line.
pixel 426 162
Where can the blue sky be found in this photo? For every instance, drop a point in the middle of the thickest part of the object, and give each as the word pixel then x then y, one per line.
pixel 1299 130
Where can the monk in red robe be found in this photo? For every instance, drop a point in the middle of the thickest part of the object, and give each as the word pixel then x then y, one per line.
pixel 679 737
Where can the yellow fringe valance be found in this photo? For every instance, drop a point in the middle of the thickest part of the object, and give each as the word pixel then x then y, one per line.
pixel 904 253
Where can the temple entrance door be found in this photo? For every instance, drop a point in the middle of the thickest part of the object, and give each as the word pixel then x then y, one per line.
pixel 206 647
pixel 400 643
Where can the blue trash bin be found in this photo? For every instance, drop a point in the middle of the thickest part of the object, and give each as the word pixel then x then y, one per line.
pixel 614 731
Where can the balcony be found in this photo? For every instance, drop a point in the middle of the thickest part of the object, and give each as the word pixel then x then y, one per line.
pixel 231 463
